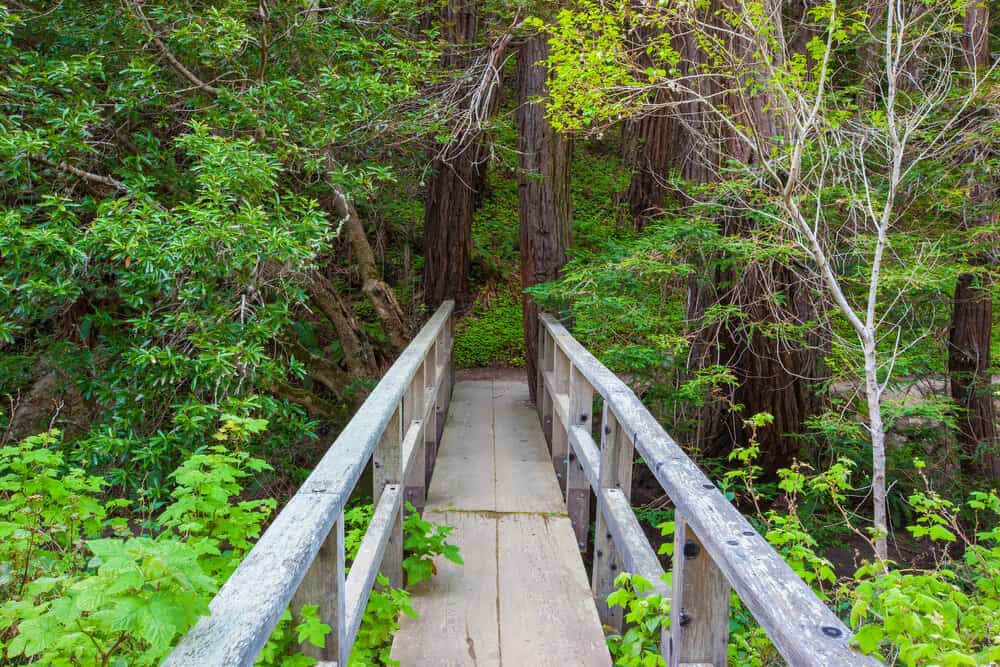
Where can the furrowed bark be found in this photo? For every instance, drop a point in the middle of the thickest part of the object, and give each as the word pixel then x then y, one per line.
pixel 459 168
pixel 543 189
pixel 972 311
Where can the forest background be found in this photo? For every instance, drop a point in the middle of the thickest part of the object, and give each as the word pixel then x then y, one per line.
pixel 221 221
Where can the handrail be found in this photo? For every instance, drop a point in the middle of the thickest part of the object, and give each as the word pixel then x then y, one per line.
pixel 715 547
pixel 299 559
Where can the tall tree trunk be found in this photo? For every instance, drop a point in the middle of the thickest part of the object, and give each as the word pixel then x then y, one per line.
pixel 459 167
pixel 543 189
pixel 455 179
pixel 651 145
pixel 772 372
pixel 972 314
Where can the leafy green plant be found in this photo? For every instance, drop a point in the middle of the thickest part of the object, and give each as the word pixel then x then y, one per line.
pixel 945 615
pixel 491 336
pixel 646 615
pixel 76 596
pixel 423 541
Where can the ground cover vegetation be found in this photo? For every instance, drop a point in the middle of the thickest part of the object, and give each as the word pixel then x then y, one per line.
pixel 220 221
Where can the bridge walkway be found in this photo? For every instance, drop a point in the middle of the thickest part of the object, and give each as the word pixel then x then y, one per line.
pixel 522 597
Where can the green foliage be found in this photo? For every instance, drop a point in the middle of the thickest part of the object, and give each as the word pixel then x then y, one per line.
pixel 77 596
pixel 491 335
pixel 379 625
pixel 423 541
pixel 945 615
pixel 646 615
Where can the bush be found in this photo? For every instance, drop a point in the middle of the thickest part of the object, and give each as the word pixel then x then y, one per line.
pixel 491 336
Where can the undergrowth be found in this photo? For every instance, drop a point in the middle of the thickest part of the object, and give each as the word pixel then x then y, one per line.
pixel 87 580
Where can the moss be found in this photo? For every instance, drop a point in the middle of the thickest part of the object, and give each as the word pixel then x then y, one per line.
pixel 491 334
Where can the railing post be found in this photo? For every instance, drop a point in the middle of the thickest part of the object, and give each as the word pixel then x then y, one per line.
pixel 699 614
pixel 433 412
pixel 323 585
pixel 413 410
pixel 559 430
pixel 546 349
pixel 387 468
pixel 615 473
pixel 581 406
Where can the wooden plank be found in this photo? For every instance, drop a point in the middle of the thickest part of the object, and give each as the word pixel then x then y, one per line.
pixel 388 467
pixel 699 617
pixel 587 452
pixel 540 371
pixel 518 542
pixel 466 456
pixel 366 563
pixel 323 585
pixel 547 614
pixel 458 621
pixel 249 604
pixel 409 447
pixel 615 473
pixel 560 395
pixel 631 544
pixel 415 489
pixel 579 415
pixel 801 627
pixel 523 479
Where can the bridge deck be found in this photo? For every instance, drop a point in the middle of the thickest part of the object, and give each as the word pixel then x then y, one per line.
pixel 522 597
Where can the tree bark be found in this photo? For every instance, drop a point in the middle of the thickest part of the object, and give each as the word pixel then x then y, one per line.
pixel 357 355
pixel 383 299
pixel 651 145
pixel 543 189
pixel 455 180
pixel 459 167
pixel 972 312
pixel 772 371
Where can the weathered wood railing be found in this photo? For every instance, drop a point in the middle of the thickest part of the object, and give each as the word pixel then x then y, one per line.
pixel 715 547
pixel 299 560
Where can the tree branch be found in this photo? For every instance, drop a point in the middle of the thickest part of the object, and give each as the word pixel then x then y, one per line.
pixel 176 64
pixel 88 176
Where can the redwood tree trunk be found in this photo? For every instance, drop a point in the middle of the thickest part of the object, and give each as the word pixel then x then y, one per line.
pixel 772 372
pixel 972 314
pixel 454 181
pixel 543 189
pixel 651 145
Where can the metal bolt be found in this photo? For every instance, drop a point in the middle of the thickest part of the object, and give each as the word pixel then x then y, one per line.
pixel 732 542
pixel 708 486
pixel 832 632
pixel 748 533
pixel 691 550
pixel 683 618
pixel 584 418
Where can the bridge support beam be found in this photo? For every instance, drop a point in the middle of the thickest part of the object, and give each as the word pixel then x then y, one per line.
pixel 699 614
pixel 617 453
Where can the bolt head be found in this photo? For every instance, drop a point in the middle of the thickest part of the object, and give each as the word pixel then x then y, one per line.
pixel 832 632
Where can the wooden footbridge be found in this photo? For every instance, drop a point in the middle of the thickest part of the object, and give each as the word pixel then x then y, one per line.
pixel 518 490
